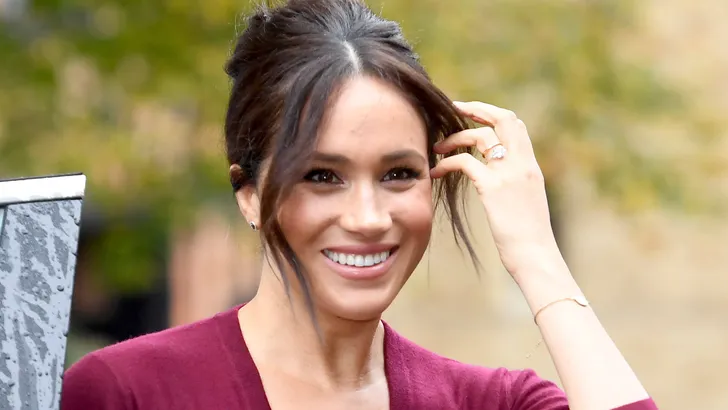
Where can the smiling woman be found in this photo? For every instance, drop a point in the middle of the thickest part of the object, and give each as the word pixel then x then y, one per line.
pixel 340 148
pixel 346 78
pixel 366 191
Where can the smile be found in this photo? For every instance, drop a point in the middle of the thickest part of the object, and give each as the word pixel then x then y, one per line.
pixel 350 259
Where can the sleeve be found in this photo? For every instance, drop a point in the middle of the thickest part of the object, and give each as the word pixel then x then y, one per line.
pixel 530 392
pixel 647 404
pixel 91 384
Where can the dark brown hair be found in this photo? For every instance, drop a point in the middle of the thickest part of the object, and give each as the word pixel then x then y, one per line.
pixel 287 66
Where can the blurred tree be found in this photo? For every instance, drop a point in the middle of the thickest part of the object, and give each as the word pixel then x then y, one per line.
pixel 558 63
pixel 132 93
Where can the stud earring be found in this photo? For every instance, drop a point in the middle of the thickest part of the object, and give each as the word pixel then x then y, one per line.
pixel 253 226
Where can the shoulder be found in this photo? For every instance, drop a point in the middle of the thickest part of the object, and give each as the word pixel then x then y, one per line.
pixel 170 347
pixel 90 383
pixel 470 386
pixel 111 378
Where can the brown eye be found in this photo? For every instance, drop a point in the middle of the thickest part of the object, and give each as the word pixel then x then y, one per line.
pixel 322 176
pixel 401 174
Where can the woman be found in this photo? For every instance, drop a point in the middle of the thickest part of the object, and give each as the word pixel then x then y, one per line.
pixel 336 139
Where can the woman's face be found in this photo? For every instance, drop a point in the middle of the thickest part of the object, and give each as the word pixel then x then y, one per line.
pixel 361 219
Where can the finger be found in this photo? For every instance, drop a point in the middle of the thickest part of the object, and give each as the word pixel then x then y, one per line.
pixel 483 138
pixel 485 113
pixel 509 129
pixel 466 163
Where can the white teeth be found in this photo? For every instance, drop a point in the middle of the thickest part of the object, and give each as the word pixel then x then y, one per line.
pixel 357 260
pixel 368 260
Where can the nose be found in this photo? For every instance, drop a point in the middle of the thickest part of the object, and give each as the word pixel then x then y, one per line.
pixel 365 213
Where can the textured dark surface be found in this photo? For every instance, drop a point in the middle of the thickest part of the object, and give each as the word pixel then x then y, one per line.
pixel 38 243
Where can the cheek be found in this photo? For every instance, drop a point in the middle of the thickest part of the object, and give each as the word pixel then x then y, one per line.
pixel 414 210
pixel 304 215
pixel 301 217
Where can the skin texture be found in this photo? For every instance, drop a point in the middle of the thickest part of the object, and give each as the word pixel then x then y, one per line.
pixel 360 203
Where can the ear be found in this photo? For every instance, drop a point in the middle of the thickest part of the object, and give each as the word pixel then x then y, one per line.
pixel 247 197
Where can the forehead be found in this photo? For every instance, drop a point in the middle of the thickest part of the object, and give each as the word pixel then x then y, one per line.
pixel 371 116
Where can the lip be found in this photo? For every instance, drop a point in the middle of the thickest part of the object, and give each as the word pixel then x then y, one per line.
pixel 361 273
pixel 363 249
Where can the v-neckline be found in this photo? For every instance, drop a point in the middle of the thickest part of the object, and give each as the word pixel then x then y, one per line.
pixel 251 383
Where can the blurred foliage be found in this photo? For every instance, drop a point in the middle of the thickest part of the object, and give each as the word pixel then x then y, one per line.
pixel 557 63
pixel 133 93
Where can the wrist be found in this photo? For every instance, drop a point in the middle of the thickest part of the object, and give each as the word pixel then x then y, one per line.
pixel 537 261
pixel 548 281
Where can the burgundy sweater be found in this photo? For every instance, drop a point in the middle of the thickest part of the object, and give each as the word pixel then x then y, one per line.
pixel 206 365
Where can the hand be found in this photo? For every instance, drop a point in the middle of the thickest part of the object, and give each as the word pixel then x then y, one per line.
pixel 511 188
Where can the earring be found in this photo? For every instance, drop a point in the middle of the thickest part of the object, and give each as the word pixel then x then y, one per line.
pixel 253 226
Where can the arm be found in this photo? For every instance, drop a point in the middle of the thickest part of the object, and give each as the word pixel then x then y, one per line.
pixel 594 373
pixel 510 185
pixel 90 384
pixel 527 391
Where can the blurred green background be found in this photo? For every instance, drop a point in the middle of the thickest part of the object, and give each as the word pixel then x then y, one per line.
pixel 132 93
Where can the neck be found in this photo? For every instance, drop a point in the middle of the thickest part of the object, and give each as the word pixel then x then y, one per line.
pixel 281 336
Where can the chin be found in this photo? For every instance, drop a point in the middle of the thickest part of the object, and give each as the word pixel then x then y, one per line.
pixel 360 305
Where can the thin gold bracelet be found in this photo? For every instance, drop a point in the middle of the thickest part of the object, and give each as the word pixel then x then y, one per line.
pixel 580 300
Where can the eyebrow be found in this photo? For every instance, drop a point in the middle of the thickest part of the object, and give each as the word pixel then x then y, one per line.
pixel 393 156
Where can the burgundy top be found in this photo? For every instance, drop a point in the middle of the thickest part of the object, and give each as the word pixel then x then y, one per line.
pixel 206 365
